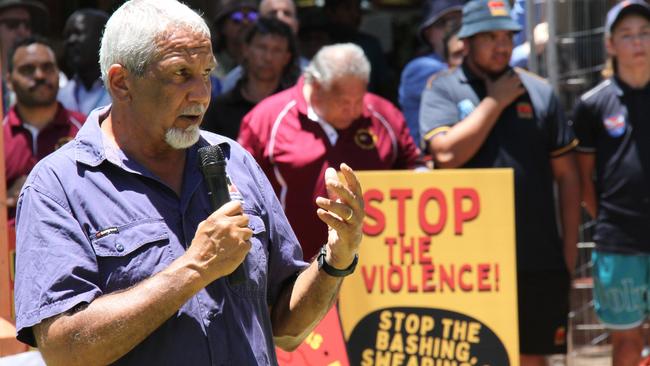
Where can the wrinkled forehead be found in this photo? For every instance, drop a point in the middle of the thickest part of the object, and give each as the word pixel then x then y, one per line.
pixel 183 41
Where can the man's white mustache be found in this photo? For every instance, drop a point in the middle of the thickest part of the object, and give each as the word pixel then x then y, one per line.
pixel 193 110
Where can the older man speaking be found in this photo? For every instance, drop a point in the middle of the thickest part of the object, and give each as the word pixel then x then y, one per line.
pixel 121 258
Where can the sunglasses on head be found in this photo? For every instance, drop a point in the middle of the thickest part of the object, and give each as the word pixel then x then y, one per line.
pixel 14 23
pixel 240 16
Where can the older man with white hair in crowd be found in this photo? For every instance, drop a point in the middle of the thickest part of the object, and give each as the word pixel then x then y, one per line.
pixel 327 118
pixel 121 257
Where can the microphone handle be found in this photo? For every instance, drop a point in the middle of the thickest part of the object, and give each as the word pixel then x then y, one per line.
pixel 219 196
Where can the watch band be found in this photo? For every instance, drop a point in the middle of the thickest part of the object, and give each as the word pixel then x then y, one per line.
pixel 335 272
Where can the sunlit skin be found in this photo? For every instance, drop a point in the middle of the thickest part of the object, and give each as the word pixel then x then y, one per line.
pixel 488 53
pixel 630 43
pixel 146 107
pixel 341 103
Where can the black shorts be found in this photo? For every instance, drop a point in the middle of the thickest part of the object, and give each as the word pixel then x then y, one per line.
pixel 543 312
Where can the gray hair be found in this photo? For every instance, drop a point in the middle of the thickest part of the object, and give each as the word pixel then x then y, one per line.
pixel 131 34
pixel 336 61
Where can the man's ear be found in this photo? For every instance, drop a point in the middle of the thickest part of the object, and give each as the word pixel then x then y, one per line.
pixel 118 82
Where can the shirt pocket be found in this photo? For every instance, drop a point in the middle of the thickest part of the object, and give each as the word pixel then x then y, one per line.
pixel 256 261
pixel 131 253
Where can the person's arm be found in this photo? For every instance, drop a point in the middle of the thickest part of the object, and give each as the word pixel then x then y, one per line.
pixel 565 172
pixel 586 163
pixel 456 146
pixel 303 303
pixel 110 326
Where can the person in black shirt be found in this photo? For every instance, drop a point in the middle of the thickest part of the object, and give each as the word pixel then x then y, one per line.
pixel 611 122
pixel 270 65
pixel 484 114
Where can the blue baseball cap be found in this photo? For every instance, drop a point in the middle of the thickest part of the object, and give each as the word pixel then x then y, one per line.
pixel 623 8
pixel 485 16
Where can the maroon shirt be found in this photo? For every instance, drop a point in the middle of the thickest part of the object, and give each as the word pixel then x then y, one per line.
pixel 20 156
pixel 294 152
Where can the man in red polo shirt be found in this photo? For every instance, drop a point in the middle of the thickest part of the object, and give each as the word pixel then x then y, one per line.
pixel 37 124
pixel 326 119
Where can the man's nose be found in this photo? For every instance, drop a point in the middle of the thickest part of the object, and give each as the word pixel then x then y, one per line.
pixel 200 90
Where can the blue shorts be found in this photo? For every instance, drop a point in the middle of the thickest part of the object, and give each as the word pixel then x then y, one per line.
pixel 620 289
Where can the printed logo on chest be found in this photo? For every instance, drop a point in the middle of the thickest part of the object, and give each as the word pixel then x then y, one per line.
pixel 365 139
pixel 524 110
pixel 615 125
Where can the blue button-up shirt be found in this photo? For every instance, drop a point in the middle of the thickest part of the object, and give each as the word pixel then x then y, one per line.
pixel 92 221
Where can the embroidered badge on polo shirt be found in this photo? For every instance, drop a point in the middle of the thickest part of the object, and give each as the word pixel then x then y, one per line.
pixel 615 125
pixel 465 107
pixel 365 139
pixel 497 8
pixel 524 110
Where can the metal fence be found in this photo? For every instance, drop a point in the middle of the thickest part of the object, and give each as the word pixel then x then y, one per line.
pixel 572 61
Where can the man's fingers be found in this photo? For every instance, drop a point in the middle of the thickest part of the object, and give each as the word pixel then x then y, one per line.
pixel 341 210
pixel 232 208
pixel 333 222
pixel 351 179
pixel 247 233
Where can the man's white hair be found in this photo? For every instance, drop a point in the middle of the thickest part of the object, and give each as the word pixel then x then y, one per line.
pixel 337 61
pixel 133 31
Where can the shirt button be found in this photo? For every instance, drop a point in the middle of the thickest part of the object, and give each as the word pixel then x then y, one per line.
pixel 119 247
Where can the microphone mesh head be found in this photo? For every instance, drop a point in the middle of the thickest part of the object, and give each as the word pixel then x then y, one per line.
pixel 210 155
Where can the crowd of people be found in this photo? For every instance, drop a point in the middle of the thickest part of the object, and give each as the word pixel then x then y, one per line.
pixel 120 257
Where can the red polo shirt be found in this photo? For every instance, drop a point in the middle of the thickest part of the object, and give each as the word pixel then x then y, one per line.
pixel 294 151
pixel 19 146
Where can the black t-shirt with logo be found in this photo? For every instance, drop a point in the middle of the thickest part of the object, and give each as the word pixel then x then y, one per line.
pixel 528 134
pixel 612 121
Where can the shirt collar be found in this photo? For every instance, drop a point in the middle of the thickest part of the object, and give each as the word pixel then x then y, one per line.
pixel 60 118
pixel 330 131
pixel 466 74
pixel 621 88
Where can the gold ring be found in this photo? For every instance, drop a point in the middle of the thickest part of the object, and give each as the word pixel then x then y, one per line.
pixel 350 215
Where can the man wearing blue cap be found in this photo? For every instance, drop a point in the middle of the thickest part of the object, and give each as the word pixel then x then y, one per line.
pixel 441 16
pixel 611 121
pixel 485 114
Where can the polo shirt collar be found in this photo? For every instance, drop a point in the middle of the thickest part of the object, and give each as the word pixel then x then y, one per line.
pixel 621 88
pixel 60 118
pixel 466 75
pixel 330 131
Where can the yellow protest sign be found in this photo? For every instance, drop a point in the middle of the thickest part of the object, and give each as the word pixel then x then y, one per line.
pixel 436 279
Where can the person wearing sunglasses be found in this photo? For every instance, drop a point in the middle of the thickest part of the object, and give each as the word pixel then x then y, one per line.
pixel 232 22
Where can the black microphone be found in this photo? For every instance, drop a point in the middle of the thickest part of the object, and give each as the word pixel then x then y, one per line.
pixel 213 166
